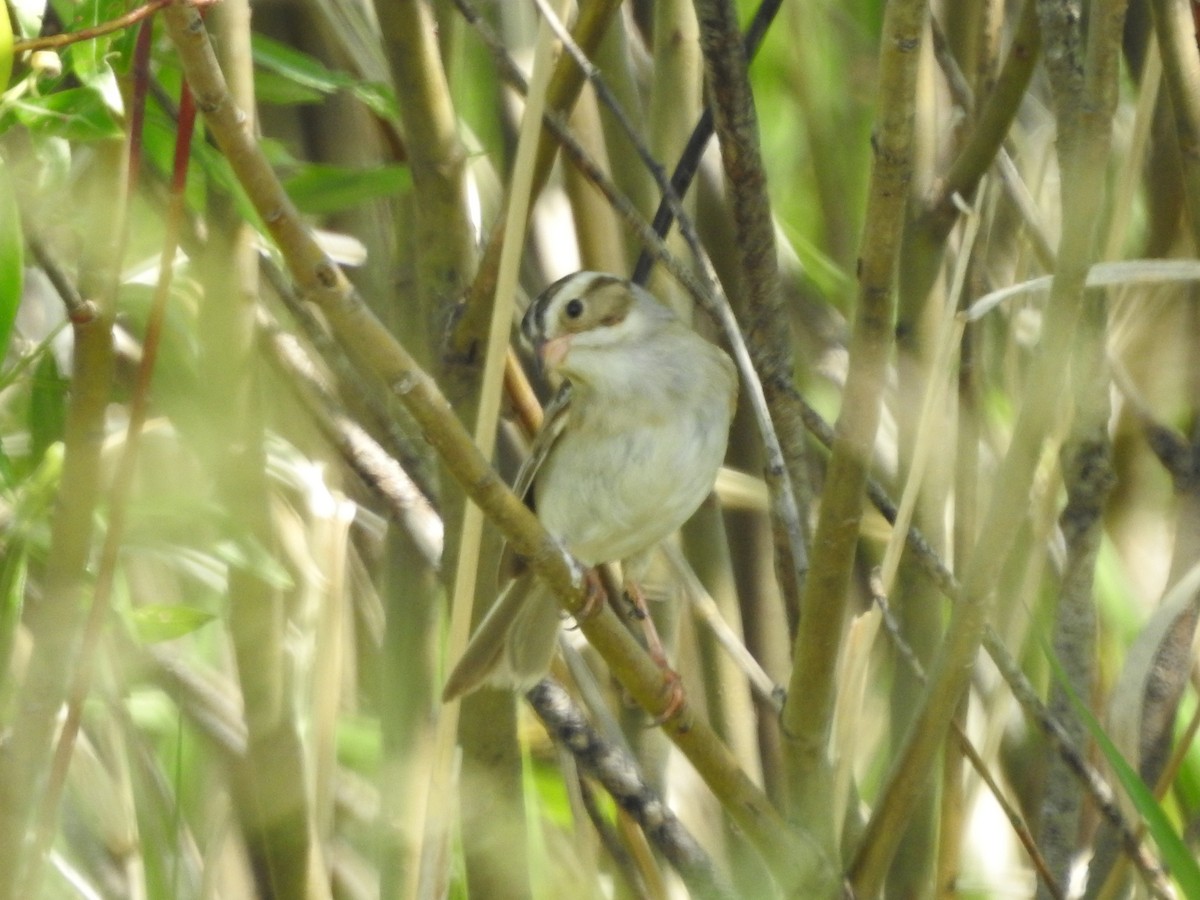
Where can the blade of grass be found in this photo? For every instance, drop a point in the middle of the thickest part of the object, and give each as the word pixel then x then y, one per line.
pixel 1184 868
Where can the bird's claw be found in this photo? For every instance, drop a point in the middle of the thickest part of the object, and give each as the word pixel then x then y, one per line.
pixel 676 697
pixel 595 598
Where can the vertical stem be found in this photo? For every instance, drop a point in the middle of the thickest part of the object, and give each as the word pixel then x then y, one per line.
pixel 54 619
pixel 565 84
pixel 808 713
pixel 445 240
pixel 272 797
pixel 675 101
pixel 762 316
pixel 1089 478
pixel 1175 28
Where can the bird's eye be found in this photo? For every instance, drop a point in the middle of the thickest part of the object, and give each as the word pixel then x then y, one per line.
pixel 574 308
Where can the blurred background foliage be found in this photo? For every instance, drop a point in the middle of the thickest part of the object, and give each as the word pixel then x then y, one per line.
pixel 223 613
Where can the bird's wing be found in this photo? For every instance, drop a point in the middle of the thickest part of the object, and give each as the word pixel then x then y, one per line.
pixel 554 419
pixel 484 654
pixel 484 650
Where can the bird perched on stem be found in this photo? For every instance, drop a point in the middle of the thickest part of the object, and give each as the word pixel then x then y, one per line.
pixel 624 457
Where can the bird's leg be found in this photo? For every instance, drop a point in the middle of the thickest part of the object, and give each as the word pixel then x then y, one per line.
pixel 641 611
pixel 596 595
pixel 654 646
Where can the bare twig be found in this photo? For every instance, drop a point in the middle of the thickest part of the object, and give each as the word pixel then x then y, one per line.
pixel 65 39
pixel 617 770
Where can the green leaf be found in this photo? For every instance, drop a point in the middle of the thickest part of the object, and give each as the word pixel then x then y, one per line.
pixel 289 76
pixel 6 47
pixel 1184 868
pixel 378 98
pixel 77 114
pixel 47 405
pixel 247 553
pixel 155 622
pixel 328 189
pixel 271 87
pixel 297 67
pixel 12 255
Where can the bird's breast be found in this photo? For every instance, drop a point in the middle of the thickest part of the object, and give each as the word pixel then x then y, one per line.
pixel 627 475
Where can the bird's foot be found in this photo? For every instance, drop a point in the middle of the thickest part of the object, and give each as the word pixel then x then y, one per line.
pixel 676 697
pixel 594 599
pixel 637 601
pixel 654 646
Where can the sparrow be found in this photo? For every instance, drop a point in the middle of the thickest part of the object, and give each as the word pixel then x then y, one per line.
pixel 627 451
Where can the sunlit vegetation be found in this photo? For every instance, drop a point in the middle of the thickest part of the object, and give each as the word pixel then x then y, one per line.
pixel 937 624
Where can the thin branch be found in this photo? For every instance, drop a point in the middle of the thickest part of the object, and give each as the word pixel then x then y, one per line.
pixel 693 152
pixel 380 472
pixel 925 236
pixel 76 306
pixel 390 423
pixel 565 85
pixel 763 316
pixel 618 771
pixel 67 38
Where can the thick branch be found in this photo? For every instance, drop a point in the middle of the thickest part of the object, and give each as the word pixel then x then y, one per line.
pixel 808 713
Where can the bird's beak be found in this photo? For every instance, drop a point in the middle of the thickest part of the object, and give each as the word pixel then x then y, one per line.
pixel 551 353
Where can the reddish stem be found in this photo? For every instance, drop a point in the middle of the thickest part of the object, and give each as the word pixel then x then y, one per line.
pixel 58 41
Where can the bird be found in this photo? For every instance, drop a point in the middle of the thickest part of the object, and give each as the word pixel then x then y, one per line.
pixel 627 451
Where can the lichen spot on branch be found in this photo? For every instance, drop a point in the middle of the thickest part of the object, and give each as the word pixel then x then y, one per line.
pixel 406 383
